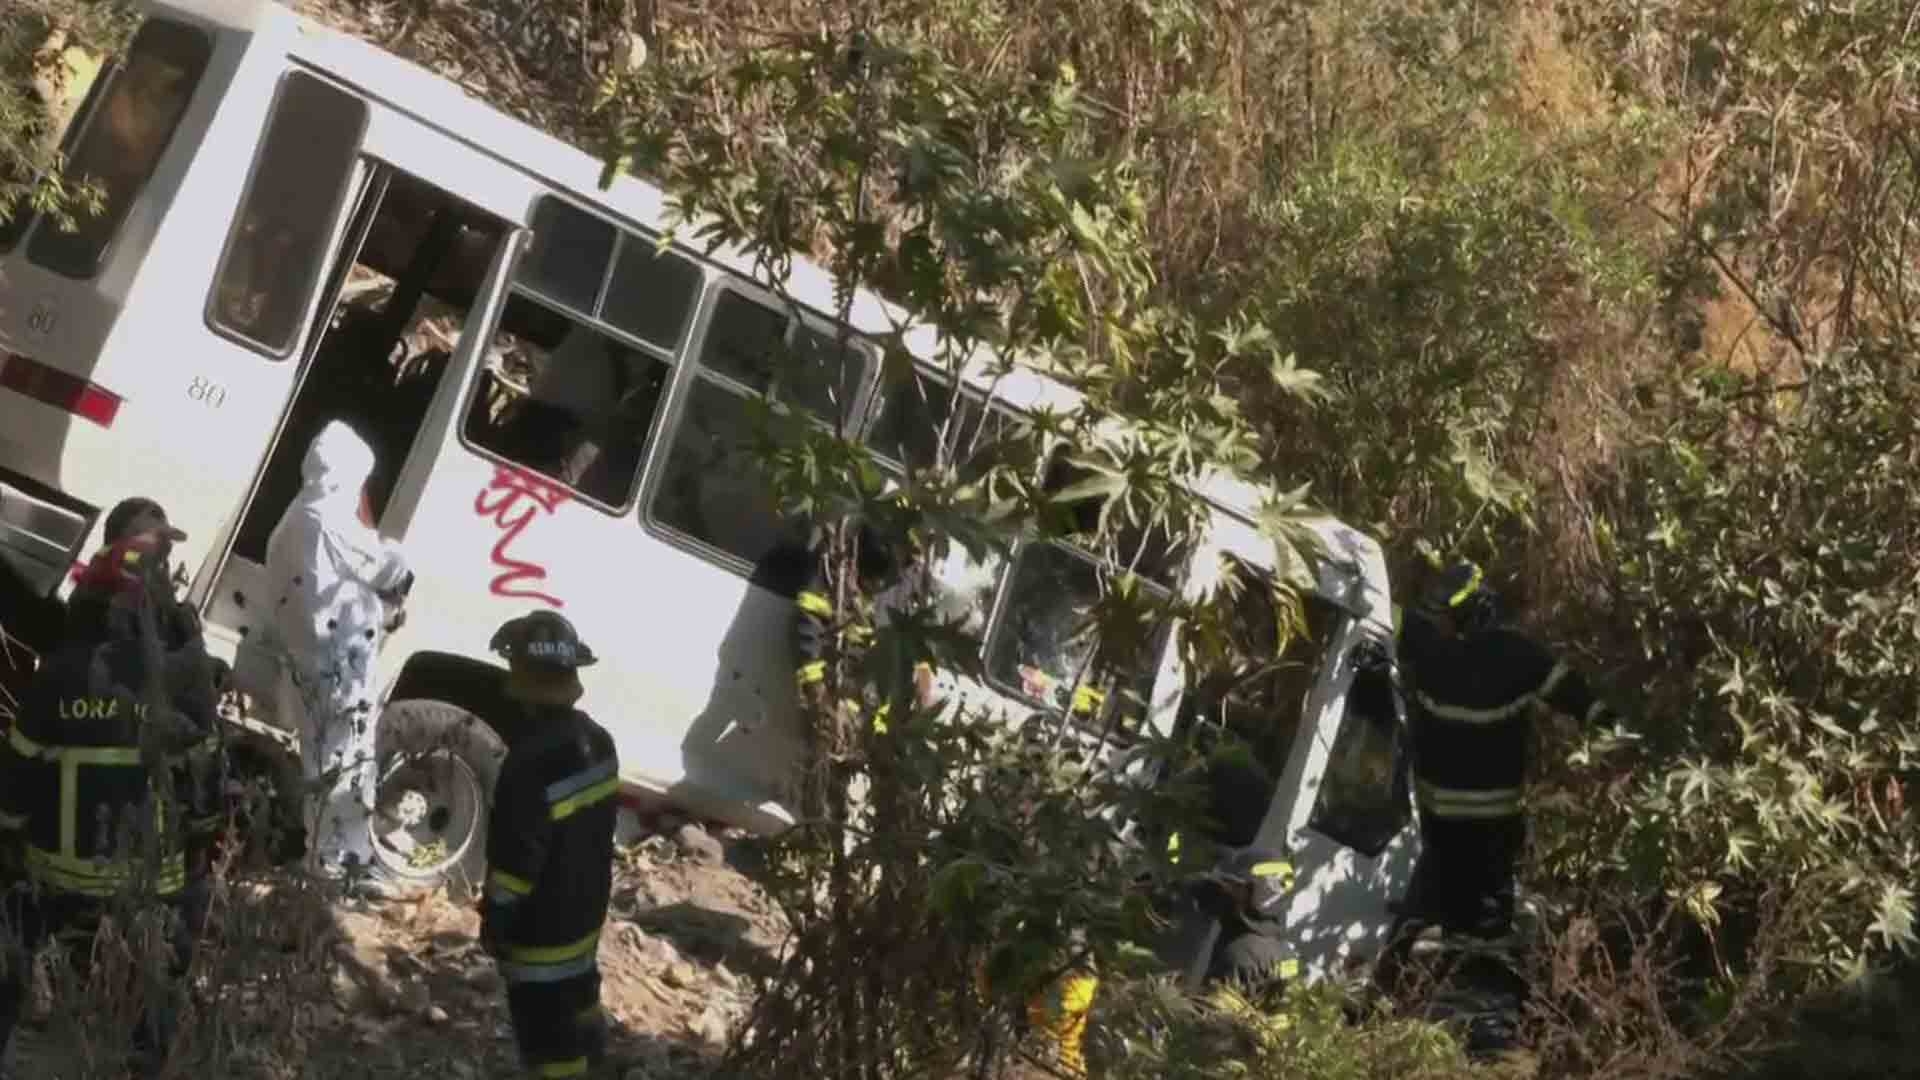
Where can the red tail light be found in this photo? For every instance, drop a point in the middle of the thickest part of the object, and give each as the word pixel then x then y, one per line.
pixel 68 393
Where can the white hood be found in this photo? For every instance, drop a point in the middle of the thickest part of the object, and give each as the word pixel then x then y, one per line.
pixel 324 566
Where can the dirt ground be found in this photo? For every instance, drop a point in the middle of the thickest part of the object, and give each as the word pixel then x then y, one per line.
pixel 294 985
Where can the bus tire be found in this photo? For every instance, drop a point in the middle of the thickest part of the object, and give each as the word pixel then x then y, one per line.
pixel 438 766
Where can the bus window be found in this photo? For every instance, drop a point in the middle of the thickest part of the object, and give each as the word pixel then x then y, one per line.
pixel 124 139
pixel 652 293
pixel 567 261
pixel 1262 701
pixel 712 490
pixel 65 92
pixel 1045 644
pixel 1365 797
pixel 568 400
pixel 745 339
pixel 1044 639
pixel 278 244
pixel 1145 546
pixel 910 423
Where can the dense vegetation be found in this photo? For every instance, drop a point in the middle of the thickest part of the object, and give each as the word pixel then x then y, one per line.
pixel 1619 297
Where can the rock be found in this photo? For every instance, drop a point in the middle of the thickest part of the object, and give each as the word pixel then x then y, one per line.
pixel 699 845
pixel 413 998
pixel 437 1016
pixel 679 975
pixel 712 1028
pixel 725 977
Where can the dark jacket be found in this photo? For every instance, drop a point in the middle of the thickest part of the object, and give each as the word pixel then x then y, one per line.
pixel 191 680
pixel 1472 702
pixel 86 770
pixel 550 848
pixel 816 615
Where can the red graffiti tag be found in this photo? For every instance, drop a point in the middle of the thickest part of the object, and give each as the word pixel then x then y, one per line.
pixel 497 500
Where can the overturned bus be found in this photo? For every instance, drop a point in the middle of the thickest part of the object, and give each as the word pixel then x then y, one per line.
pixel 299 227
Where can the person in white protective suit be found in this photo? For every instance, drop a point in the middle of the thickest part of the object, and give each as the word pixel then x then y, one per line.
pixel 333 579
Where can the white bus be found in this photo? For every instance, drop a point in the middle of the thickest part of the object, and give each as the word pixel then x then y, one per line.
pixel 300 227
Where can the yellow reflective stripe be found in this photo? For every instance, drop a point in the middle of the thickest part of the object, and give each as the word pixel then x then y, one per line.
pixel 1076 994
pixel 1472 586
pixel 1552 683
pixel 1087 699
pixel 82 755
pixel 22 745
pixel 588 777
pixel 880 719
pixel 99 877
pixel 575 1067
pixel 1274 868
pixel 811 673
pixel 1469 804
pixel 860 634
pixel 1289 968
pixel 1173 848
pixel 69 807
pixel 815 604
pixel 554 954
pixel 598 793
pixel 514 884
pixel 1473 813
pixel 1464 715
pixel 1468 795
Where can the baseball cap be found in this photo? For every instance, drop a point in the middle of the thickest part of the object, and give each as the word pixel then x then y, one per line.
pixel 138 515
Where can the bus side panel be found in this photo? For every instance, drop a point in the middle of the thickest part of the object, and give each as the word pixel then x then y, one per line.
pixel 195 409
pixel 694 679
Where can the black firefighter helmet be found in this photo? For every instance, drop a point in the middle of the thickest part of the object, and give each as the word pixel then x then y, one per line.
pixel 1459 591
pixel 542 639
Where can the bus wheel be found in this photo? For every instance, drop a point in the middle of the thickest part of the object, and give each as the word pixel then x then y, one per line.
pixel 438 764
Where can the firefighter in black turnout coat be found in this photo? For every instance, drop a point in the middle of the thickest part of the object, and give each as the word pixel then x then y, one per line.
pixel 550 851
pixel 89 776
pixel 1475 684
pixel 892 577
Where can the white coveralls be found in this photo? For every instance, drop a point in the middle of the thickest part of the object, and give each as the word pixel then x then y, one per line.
pixel 327 570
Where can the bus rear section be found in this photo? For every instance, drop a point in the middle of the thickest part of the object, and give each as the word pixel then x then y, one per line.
pixel 118 376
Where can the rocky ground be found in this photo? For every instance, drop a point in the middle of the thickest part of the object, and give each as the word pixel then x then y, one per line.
pixel 296 986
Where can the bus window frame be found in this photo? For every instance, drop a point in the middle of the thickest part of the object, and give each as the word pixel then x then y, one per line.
pixel 624 233
pixel 661 452
pixel 678 359
pixel 636 487
pixel 350 192
pixel 108 81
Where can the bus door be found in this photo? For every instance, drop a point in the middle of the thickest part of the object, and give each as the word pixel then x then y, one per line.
pixel 393 307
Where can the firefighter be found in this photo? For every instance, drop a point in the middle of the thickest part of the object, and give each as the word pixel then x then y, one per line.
pixel 892 578
pixel 550 850
pixel 87 777
pixel 194 679
pixel 1246 891
pixel 1245 888
pixel 1474 685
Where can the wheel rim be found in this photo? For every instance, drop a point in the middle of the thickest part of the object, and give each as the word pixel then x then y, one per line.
pixel 427 816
